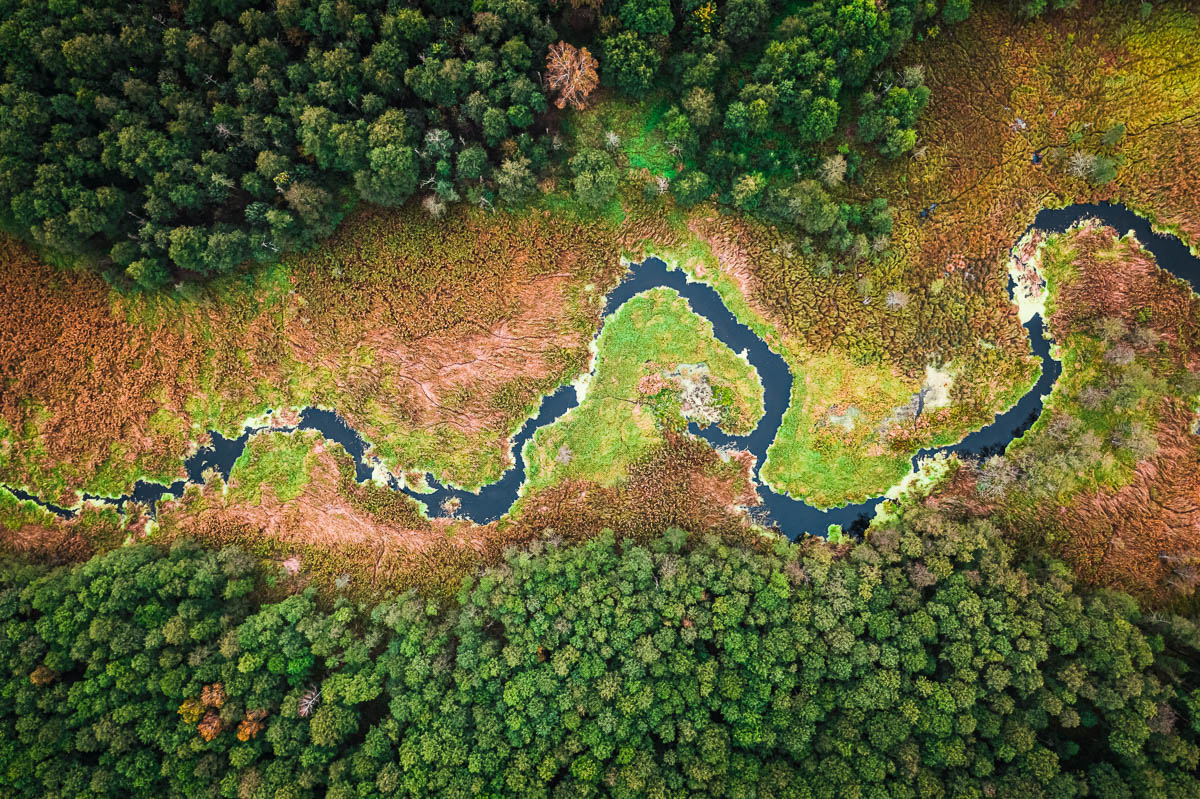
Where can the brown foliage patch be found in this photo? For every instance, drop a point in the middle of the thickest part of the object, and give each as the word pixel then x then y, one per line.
pixel 399 324
pixel 958 497
pixel 56 543
pixel 252 724
pixel 98 378
pixel 1122 281
pixel 661 492
pixel 209 726
pixel 213 695
pixel 1145 537
pixel 571 74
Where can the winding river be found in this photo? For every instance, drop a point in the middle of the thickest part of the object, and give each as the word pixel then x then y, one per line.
pixel 793 516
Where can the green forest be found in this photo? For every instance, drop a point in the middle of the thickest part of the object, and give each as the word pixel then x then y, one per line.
pixel 163 141
pixel 927 661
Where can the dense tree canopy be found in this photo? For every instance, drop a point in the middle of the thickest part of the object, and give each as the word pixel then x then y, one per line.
pixel 921 663
pixel 197 137
pixel 165 139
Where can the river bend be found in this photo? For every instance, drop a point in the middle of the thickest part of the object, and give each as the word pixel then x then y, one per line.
pixel 793 516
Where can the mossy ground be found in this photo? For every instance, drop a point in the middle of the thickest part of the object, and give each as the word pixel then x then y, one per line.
pixel 823 452
pixel 283 461
pixel 635 126
pixel 631 397
pixel 16 513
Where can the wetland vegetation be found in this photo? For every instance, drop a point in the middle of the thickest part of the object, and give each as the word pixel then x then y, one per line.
pixel 219 214
pixel 657 366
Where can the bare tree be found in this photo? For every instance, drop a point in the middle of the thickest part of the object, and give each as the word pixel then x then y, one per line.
pixel 912 76
pixel 1080 164
pixel 1111 328
pixel 1120 354
pixel 308 702
pixel 996 475
pixel 832 170
pixel 433 205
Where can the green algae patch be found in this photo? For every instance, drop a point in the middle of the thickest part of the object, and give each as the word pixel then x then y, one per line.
pixel 282 461
pixel 658 366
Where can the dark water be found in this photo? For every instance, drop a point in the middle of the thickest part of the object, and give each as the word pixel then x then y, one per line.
pixel 792 516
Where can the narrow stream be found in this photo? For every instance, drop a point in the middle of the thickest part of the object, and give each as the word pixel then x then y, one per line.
pixel 793 516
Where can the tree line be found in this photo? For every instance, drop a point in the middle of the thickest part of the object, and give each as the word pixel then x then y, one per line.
pixel 923 662
pixel 164 140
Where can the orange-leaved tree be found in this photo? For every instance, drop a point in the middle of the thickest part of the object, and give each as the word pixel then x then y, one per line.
pixel 571 73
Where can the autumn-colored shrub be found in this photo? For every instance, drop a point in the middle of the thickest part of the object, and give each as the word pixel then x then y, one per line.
pixel 213 696
pixel 210 726
pixel 191 710
pixel 252 724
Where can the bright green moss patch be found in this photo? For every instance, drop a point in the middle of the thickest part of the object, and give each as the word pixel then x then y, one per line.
pixel 658 366
pixel 283 461
pixel 16 513
pixel 626 127
pixel 829 449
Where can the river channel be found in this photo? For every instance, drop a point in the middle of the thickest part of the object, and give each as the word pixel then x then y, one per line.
pixel 793 516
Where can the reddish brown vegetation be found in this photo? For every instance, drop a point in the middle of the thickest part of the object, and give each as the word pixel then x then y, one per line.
pixel 209 726
pixel 213 695
pixel 1125 283
pixel 99 378
pixel 252 724
pixel 58 542
pixel 1145 537
pixel 336 525
pixel 661 492
pixel 53 543
pixel 571 73
pixel 408 333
